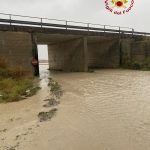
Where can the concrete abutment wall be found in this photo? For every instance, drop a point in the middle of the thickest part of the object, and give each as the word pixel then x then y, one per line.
pixel 17 48
pixel 135 52
pixel 69 55
pixel 104 53
pixel 72 53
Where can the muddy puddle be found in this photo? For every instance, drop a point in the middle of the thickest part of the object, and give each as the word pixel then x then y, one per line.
pixel 104 110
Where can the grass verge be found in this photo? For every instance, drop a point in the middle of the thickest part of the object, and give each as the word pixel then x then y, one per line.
pixel 15 83
pixel 137 65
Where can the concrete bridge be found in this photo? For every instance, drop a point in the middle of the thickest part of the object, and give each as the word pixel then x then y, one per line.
pixel 72 46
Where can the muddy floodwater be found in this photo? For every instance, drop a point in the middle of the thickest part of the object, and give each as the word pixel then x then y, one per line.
pixel 104 110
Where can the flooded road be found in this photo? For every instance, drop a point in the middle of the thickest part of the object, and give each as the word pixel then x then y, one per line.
pixel 104 110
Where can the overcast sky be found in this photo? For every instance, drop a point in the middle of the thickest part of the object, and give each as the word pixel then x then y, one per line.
pixel 81 10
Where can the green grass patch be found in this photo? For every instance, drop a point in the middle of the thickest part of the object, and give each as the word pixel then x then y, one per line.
pixel 15 83
pixel 12 90
pixel 137 65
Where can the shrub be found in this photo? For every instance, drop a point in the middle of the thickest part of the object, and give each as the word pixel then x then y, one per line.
pixel 136 65
pixel 90 70
pixel 3 62
pixel 15 84
pixel 16 89
pixel 13 72
pixel 17 72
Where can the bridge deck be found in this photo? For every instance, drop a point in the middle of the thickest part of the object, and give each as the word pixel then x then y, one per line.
pixel 26 23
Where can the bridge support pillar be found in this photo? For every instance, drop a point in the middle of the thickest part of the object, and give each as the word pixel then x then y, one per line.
pixel 69 55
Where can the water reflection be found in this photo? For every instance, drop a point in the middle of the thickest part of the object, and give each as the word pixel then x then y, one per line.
pixel 44 74
pixel 105 110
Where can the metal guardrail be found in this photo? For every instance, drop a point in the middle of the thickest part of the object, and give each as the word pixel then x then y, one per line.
pixel 11 19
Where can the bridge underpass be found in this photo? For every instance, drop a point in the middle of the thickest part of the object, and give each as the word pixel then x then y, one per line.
pixel 78 53
pixel 71 48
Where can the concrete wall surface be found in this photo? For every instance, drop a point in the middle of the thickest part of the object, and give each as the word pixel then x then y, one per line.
pixel 17 48
pixel 140 51
pixel 135 51
pixel 104 53
pixel 126 52
pixel 69 55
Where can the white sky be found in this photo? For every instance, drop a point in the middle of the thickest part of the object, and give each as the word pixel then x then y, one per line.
pixel 92 11
pixel 43 52
pixel 81 10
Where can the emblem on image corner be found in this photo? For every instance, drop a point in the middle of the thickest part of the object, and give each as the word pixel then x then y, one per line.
pixel 119 7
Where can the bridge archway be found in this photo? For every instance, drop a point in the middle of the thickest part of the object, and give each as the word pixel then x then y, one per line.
pixel 66 52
